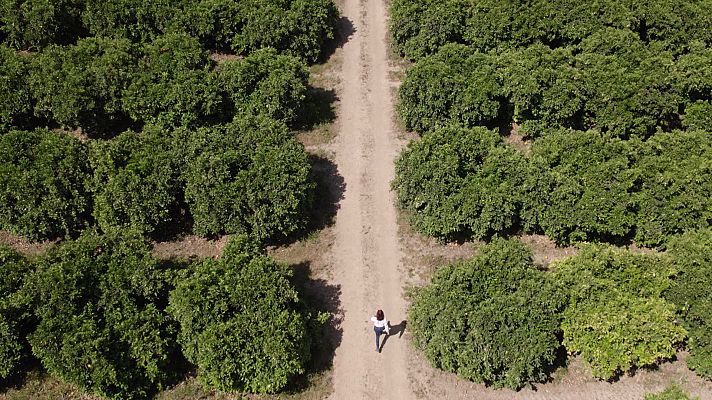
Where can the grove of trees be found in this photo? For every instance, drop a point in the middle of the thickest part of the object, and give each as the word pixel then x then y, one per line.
pixel 119 127
pixel 582 121
pixel 167 136
pixel 500 320
pixel 604 95
pixel 102 313
pixel 492 319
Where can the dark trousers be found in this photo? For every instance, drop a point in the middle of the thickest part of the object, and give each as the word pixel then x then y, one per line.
pixel 379 332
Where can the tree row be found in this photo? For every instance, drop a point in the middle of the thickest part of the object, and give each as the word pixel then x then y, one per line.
pixel 498 319
pixel 296 27
pixel 102 314
pixel 420 27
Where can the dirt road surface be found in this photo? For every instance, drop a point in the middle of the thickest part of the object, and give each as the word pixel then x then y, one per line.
pixel 367 253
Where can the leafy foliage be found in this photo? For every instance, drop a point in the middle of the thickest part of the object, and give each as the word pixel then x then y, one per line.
pixel 676 170
pixel 14 317
pixel 43 178
pixel 264 83
pixel 671 393
pixel 616 317
pixel 33 24
pixel 454 85
pixel 492 319
pixel 698 115
pixel 100 303
pixel 296 27
pixel 15 99
pixel 82 85
pixel 301 28
pixel 692 254
pixel 241 321
pixel 136 20
pixel 250 176
pixel 135 182
pixel 174 85
pixel 580 186
pixel 420 27
pixel 460 181
pixel 609 82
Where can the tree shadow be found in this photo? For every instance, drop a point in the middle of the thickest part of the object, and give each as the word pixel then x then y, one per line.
pixel 345 30
pixel 330 187
pixel 318 108
pixel 29 369
pixel 394 330
pixel 558 366
pixel 319 296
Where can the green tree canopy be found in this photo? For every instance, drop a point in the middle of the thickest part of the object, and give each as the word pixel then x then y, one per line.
pixel 250 176
pixel 616 317
pixel 492 319
pixel 458 181
pixel 135 182
pixel 692 255
pixel 43 177
pixel 102 326
pixel 15 318
pixel 241 321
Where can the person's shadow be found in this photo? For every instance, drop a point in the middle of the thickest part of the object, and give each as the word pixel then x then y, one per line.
pixel 395 330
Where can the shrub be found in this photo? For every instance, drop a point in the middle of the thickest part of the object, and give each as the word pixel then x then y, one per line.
pixel 692 254
pixel 33 24
pixel 295 27
pixel 698 115
pixel 11 350
pixel 613 84
pixel 676 170
pixel 453 86
pixel 82 85
pixel 616 317
pixel 102 327
pixel 631 94
pixel 15 99
pixel 174 85
pixel 542 85
pixel 250 176
pixel 580 187
pixel 671 393
pixel 137 20
pixel 492 319
pixel 15 320
pixel 135 182
pixel 264 83
pixel 241 321
pixel 458 181
pixel 696 73
pixel 43 178
pixel 420 27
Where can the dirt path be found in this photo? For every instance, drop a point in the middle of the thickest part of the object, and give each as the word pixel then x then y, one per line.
pixel 367 254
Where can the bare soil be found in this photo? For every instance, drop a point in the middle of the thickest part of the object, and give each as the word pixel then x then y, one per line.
pixel 367 257
pixel 24 246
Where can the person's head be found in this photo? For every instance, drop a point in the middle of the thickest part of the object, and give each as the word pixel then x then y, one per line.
pixel 379 315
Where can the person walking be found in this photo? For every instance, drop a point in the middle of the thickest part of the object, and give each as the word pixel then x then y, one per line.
pixel 380 325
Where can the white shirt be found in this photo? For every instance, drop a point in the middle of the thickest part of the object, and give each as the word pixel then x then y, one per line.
pixel 379 324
